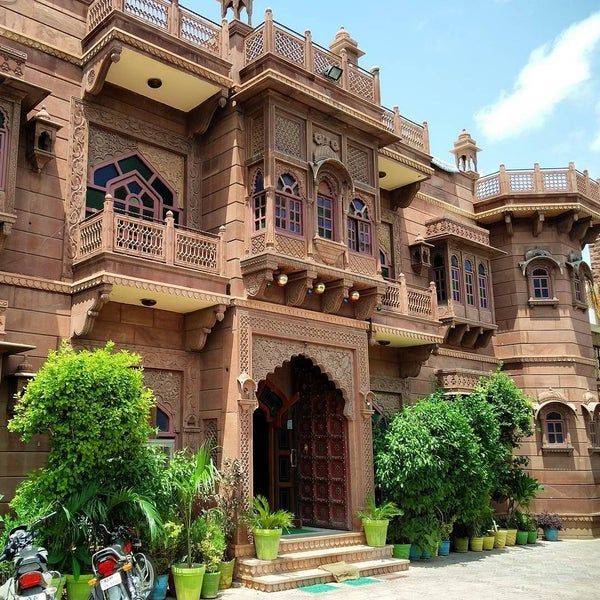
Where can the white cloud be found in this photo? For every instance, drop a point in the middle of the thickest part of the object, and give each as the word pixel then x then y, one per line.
pixel 595 145
pixel 554 71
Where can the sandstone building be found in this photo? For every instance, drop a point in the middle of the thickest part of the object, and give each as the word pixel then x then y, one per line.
pixel 236 205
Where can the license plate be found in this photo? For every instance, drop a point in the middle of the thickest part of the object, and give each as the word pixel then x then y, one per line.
pixel 41 596
pixel 110 581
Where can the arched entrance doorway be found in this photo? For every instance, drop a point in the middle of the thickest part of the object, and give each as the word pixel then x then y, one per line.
pixel 300 447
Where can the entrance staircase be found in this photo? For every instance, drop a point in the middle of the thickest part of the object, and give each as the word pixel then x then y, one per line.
pixel 300 558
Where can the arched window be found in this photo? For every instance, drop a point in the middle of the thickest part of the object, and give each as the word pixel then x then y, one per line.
pixel 3 148
pixel 136 188
pixel 325 211
pixel 359 227
pixel 555 428
pixel 259 202
pixel 455 278
pixel 439 276
pixel 540 279
pixel 482 284
pixel 578 286
pixel 386 264
pixel 288 205
pixel 469 287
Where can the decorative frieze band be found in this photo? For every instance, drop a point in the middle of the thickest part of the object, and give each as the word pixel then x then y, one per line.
pixel 467 356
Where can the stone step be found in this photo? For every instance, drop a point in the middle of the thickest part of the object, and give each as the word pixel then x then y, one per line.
pixel 277 582
pixel 309 559
pixel 309 542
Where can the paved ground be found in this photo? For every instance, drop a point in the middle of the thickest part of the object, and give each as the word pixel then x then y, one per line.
pixel 565 570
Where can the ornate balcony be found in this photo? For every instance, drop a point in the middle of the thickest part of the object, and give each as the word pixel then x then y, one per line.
pixel 131 42
pixel 538 194
pixel 130 260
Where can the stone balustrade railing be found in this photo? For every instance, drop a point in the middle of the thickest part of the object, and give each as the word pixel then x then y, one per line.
pixel 274 38
pixel 410 299
pixel 411 133
pixel 167 243
pixel 168 16
pixel 537 181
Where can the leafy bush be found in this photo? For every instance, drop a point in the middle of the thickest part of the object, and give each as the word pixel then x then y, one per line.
pixel 260 516
pixel 95 410
pixel 209 539
pixel 548 520
pixel 167 549
pixel 230 498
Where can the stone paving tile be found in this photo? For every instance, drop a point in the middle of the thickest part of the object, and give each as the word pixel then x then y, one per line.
pixel 565 570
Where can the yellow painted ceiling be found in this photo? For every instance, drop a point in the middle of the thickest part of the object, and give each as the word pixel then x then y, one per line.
pixel 179 89
pixel 397 174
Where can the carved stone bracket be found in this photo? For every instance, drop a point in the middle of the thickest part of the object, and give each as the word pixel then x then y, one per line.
pixel 334 295
pixel 402 197
pixel 565 222
pixel 455 333
pixel 470 337
pixel 86 306
pixel 257 282
pixel 580 229
pixel 538 223
pixel 6 223
pixel 411 359
pixel 199 324
pixel 95 73
pixel 201 117
pixel 508 222
pixel 368 302
pixel 297 287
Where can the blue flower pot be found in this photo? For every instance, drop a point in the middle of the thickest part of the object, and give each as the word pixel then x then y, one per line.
pixel 425 554
pixel 444 548
pixel 415 552
pixel 160 588
pixel 551 534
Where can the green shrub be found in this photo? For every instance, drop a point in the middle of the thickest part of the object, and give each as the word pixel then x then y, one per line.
pixel 209 539
pixel 372 512
pixel 260 516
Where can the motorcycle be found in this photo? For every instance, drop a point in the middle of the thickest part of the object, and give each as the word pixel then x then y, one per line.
pixel 31 579
pixel 120 573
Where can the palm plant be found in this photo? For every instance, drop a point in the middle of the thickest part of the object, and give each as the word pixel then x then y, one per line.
pixel 192 478
pixel 260 516
pixel 372 512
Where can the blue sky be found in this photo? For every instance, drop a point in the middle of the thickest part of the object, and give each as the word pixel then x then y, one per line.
pixel 523 76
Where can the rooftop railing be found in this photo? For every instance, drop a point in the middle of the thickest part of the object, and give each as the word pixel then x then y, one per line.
pixel 410 299
pixel 537 181
pixel 411 133
pixel 110 231
pixel 167 16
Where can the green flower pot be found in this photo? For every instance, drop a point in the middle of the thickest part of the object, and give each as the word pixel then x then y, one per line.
pixel 210 585
pixel 461 544
pixel 522 538
pixel 188 582
pixel 532 536
pixel 488 542
pixel 500 538
pixel 80 589
pixel 376 532
pixel 511 537
pixel 266 543
pixel 226 569
pixel 59 584
pixel 476 544
pixel 402 551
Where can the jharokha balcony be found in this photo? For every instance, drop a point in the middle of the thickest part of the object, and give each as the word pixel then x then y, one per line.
pixel 128 259
pixel 537 194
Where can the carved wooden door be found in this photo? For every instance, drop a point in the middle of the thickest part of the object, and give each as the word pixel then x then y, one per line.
pixel 322 452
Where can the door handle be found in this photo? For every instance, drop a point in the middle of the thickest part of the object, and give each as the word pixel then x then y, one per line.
pixel 293 457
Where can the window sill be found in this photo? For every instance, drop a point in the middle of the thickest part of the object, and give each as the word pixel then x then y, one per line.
pixel 557 449
pixel 594 449
pixel 581 305
pixel 543 302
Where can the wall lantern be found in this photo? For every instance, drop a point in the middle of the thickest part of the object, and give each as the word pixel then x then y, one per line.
pixel 41 138
pixel 354 295
pixel 333 72
pixel 281 279
pixel 319 288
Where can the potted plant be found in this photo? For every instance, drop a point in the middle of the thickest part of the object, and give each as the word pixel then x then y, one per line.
pixel 531 527
pixel 460 539
pixel 399 540
pixel 192 479
pixel 165 551
pixel 521 524
pixel 230 499
pixel 551 523
pixel 476 537
pixel 445 531
pixel 267 526
pixel 510 524
pixel 376 519
pixel 209 539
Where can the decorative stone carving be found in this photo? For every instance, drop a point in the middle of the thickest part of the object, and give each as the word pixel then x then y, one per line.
pixel 167 387
pixel 411 359
pixel 12 61
pixel 368 301
pixel 289 136
pixel 459 381
pixel 446 226
pixel 297 287
pixel 201 117
pixel 86 306
pixel 534 254
pixel 236 6
pixel 3 307
pixel 329 252
pixel 199 324
pixel 95 72
pixel 325 145
pixel 359 164
pixel 257 129
pixel 41 133
pixel 335 292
